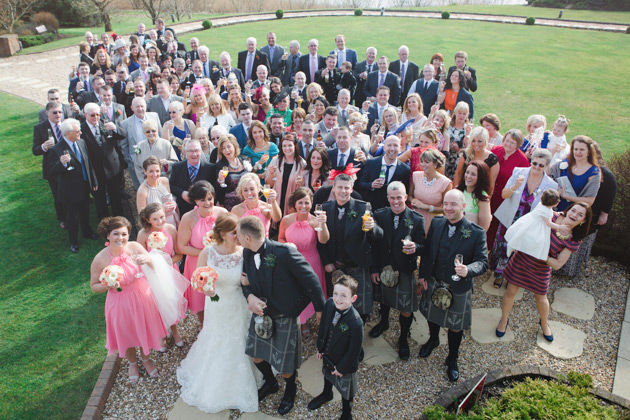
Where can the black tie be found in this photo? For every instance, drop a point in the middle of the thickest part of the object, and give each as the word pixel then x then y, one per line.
pixel 387 173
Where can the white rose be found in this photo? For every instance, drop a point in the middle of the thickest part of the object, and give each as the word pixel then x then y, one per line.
pixel 563 166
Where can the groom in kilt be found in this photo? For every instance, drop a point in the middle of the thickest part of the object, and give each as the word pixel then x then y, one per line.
pixel 281 275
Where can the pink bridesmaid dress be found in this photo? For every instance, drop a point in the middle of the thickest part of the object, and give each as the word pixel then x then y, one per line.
pixel 169 249
pixel 304 237
pixel 197 300
pixel 131 316
pixel 256 211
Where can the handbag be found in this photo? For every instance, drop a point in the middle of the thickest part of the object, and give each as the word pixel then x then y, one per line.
pixel 389 277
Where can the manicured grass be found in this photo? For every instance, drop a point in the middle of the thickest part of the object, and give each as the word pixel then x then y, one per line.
pixel 522 70
pixel 123 22
pixel 51 324
pixel 543 12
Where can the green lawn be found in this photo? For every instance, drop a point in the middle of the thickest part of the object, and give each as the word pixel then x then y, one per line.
pixel 51 324
pixel 522 70
pixel 122 22
pixel 543 12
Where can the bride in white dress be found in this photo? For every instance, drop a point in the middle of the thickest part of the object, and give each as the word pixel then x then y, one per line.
pixel 216 374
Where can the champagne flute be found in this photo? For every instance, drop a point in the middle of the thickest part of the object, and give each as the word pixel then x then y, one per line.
pixel 459 259
pixel 262 305
pixel 134 258
pixel 318 210
pixel 67 153
pixel 224 172
pixel 266 191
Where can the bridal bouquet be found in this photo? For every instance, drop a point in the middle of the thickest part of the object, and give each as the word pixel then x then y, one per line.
pixel 112 276
pixel 203 280
pixel 157 240
pixel 208 239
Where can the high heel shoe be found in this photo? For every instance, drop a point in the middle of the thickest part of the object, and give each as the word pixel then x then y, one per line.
pixel 549 337
pixel 154 372
pixel 502 333
pixel 133 378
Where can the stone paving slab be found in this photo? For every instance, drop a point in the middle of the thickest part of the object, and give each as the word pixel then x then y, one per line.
pixel 627 317
pixel 420 330
pixel 488 287
pixel 568 341
pixel 484 325
pixel 624 342
pixel 574 302
pixel 258 415
pixel 621 386
pixel 377 350
pixel 183 411
pixel 312 379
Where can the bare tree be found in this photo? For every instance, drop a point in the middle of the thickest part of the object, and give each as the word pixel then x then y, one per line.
pixel 102 6
pixel 152 8
pixel 356 4
pixel 13 10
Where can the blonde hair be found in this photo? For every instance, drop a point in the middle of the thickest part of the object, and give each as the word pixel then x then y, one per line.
pixel 476 132
pixel 248 177
pixel 383 122
pixel 460 107
pixel 216 99
pixel 536 118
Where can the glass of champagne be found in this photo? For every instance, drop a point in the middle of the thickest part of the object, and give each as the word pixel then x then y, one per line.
pixel 459 259
pixel 406 242
pixel 318 210
pixel 299 180
pixel 366 216
pixel 266 191
pixel 67 153
pixel 262 305
pixel 224 172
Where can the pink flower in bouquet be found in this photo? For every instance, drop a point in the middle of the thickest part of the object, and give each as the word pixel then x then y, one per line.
pixel 112 276
pixel 208 239
pixel 204 279
pixel 157 240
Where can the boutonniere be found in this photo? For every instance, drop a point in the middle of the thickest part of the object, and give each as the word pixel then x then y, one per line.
pixel 118 112
pixel 564 165
pixel 537 192
pixel 343 327
pixel 352 214
pixel 409 223
pixel 270 260
pixel 136 150
pixel 257 58
pixel 466 233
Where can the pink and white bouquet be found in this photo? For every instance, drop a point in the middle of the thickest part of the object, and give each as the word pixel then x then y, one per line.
pixel 208 239
pixel 203 280
pixel 112 276
pixel 157 240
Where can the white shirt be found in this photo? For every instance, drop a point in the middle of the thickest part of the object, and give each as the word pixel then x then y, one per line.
pixel 392 169
pixel 166 102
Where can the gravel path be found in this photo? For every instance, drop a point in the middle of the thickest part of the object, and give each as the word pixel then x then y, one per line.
pixel 400 390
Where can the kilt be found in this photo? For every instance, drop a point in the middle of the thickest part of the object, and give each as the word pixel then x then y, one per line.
pixel 457 317
pixel 402 297
pixel 283 351
pixel 347 385
pixel 363 304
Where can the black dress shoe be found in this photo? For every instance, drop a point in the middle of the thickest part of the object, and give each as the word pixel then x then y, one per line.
pixel 320 400
pixel 403 348
pixel 427 348
pixel 74 248
pixel 286 404
pixel 62 225
pixel 361 355
pixel 378 329
pixel 267 388
pixel 452 371
pixel 92 236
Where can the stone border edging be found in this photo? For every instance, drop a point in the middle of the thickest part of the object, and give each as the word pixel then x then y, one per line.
pixel 96 404
pixel 450 398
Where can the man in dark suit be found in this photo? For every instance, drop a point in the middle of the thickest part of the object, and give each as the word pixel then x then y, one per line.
pixel 349 247
pixel 160 28
pixel 427 87
pixel 307 142
pixel 375 109
pixel 281 275
pixel 382 170
pixel 250 59
pixel 274 53
pixel 288 67
pixel 299 89
pixel 383 77
pixel 329 79
pixel 450 236
pixel 342 53
pixel 168 37
pixel 470 74
pixel 46 135
pixel 226 69
pixel 312 62
pixel 195 77
pixel 102 144
pixel 207 66
pixel 68 110
pixel 361 71
pixel 110 110
pixel 160 103
pixel 185 174
pixel 343 154
pixel 240 130
pixel 406 71
pixel 84 78
pixel 94 95
pixel 192 54
pixel 120 87
pixel 403 242
pixel 70 163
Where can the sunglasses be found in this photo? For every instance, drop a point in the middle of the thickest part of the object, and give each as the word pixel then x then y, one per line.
pixel 151 131
pixel 540 165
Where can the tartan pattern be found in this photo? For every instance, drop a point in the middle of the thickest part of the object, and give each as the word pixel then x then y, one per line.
pixel 283 351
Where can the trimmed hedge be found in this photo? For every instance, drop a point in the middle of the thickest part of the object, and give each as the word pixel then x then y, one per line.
pixel 33 40
pixel 206 24
pixel 358 12
pixel 530 20
pixel 446 15
pixel 279 13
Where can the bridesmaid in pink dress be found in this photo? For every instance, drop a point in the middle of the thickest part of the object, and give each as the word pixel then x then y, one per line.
pixel 248 190
pixel 153 219
pixel 131 316
pixel 304 231
pixel 194 225
pixel 429 186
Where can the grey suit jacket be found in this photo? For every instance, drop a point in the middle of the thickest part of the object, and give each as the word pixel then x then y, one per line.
pixel 156 105
pixel 278 52
pixel 350 109
pixel 128 130
pixel 120 114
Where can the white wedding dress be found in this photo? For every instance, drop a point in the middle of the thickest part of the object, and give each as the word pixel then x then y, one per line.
pixel 217 374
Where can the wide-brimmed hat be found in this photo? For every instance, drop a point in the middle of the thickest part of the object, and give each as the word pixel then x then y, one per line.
pixel 120 42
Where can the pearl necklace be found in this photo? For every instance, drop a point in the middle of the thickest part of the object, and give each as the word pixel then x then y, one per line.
pixel 429 183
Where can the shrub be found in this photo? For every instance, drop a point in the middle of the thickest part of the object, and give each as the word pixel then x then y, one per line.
pixel 25 29
pixel 359 12
pixel 207 24
pixel 47 19
pixel 530 20
pixel 446 15
pixel 71 12
pixel 33 40
pixel 628 30
pixel 279 13
pixel 620 229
